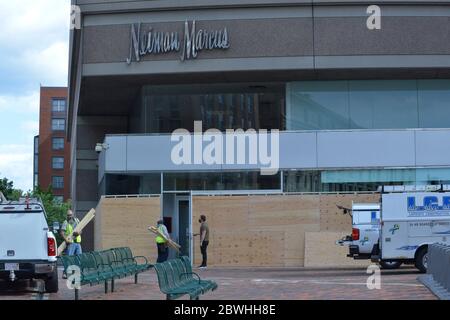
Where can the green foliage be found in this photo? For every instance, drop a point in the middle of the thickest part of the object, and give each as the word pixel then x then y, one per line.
pixel 7 188
pixel 56 211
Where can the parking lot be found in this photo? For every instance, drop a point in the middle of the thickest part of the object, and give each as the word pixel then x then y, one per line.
pixel 261 283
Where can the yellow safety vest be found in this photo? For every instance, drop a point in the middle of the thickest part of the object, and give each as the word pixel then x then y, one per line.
pixel 160 239
pixel 69 231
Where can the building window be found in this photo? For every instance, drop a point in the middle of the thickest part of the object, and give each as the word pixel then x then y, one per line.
pixel 58 143
pixel 58 124
pixel 36 145
pixel 163 109
pixel 36 163
pixel 57 163
pixel 58 199
pixel 58 182
pixel 367 104
pixel 59 105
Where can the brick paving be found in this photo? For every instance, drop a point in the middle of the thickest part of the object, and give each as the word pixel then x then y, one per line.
pixel 260 283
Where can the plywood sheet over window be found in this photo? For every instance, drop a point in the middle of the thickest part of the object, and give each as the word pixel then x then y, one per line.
pixel 269 230
pixel 124 222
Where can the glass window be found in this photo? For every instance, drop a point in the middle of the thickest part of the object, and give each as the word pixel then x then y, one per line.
pixel 58 163
pixel 115 184
pixel 167 108
pixel 318 105
pixel 220 181
pixel 58 124
pixel 36 163
pixel 36 144
pixel 386 104
pixel 368 104
pixel 59 105
pixel 434 103
pixel 58 182
pixel 58 143
pixel 58 199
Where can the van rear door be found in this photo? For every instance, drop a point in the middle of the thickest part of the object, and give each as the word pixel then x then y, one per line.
pixel 23 235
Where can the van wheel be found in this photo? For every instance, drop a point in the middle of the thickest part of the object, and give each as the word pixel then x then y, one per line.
pixel 421 261
pixel 51 284
pixel 390 265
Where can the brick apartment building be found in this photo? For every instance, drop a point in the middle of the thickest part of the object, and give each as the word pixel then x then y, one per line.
pixel 52 156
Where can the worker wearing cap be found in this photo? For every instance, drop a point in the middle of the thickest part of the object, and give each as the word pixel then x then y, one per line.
pixel 163 248
pixel 67 230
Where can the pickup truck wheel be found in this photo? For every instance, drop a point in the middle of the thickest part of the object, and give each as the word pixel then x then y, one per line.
pixel 51 284
pixel 390 265
pixel 421 261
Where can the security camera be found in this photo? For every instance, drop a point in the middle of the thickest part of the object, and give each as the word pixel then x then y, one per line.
pixel 101 147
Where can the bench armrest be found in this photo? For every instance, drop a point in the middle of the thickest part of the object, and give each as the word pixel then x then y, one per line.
pixel 193 273
pixel 145 258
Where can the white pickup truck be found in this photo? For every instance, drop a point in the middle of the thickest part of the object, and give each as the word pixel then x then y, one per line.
pixel 365 234
pixel 410 221
pixel 28 249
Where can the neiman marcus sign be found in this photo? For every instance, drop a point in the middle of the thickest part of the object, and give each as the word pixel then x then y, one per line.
pixel 193 41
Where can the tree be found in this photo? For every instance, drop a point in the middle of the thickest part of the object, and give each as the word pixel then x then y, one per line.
pixel 7 188
pixel 56 211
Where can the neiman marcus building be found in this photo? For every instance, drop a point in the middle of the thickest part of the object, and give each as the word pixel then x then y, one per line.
pixel 355 107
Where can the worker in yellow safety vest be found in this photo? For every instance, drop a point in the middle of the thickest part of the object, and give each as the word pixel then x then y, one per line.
pixel 163 248
pixel 72 239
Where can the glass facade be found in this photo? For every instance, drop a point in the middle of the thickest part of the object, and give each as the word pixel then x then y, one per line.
pixel 303 105
pixel 116 184
pixel 163 109
pixel 219 181
pixel 368 104
pixel 294 181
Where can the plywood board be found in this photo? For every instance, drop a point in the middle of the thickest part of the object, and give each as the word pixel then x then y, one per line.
pixel 332 218
pixel 124 222
pixel 321 251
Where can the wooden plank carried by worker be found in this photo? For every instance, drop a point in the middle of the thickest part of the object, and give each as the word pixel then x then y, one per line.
pixel 170 242
pixel 79 228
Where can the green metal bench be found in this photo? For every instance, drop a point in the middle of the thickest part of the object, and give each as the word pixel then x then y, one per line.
pixel 102 266
pixel 176 279
pixel 89 272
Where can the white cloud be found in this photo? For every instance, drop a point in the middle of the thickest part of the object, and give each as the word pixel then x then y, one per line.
pixel 49 64
pixel 32 23
pixel 31 127
pixel 34 36
pixel 16 163
pixel 28 103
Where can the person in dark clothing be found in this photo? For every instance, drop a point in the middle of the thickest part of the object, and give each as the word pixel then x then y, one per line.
pixel 204 240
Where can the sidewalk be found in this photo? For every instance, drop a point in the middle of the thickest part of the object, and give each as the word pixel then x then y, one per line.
pixel 266 284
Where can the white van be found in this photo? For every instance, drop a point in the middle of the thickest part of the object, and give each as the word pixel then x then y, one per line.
pixel 28 249
pixel 409 223
pixel 365 234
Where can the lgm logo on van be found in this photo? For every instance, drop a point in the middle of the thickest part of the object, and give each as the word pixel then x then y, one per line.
pixel 430 206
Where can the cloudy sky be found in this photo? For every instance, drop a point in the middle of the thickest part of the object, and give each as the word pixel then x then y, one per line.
pixel 34 44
